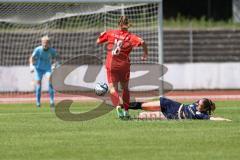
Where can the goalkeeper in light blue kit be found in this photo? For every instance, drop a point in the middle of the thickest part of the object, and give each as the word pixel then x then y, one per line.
pixel 41 64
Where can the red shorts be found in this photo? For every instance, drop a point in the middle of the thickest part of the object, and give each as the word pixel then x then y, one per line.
pixel 119 71
pixel 117 76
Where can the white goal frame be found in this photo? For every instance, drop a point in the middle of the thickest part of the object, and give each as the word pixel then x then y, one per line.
pixel 160 14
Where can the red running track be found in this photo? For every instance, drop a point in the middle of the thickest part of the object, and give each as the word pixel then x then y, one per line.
pixel 220 95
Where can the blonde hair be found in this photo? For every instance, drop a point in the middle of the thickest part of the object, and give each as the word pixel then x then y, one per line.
pixel 123 20
pixel 45 38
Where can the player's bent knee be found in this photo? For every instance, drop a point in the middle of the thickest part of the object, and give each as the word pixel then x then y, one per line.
pixel 38 82
pixel 112 90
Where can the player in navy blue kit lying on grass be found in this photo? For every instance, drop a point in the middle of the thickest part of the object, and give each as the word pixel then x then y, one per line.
pixel 168 109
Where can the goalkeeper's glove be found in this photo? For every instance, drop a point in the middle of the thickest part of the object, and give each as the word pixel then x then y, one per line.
pixel 32 68
pixel 55 65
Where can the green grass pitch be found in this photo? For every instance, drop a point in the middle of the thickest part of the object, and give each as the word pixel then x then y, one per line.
pixel 30 133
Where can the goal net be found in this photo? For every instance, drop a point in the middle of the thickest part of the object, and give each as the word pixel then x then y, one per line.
pixel 73 29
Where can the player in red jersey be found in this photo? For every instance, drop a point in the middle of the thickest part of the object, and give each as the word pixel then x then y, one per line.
pixel 119 45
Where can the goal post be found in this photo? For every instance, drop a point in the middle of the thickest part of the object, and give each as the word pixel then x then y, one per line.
pixel 73 26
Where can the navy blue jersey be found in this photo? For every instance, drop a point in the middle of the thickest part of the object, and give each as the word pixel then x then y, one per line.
pixel 190 112
pixel 175 110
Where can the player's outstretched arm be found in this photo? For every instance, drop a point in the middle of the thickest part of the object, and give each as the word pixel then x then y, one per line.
pixel 145 51
pixel 219 119
pixel 102 38
pixel 98 41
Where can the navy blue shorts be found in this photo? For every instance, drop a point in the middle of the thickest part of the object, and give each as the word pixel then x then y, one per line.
pixel 169 108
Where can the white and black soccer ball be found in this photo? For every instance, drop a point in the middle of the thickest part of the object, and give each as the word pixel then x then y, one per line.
pixel 101 89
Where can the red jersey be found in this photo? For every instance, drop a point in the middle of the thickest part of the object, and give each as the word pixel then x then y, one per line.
pixel 119 45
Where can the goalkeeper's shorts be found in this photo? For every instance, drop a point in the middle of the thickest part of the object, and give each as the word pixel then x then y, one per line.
pixel 38 73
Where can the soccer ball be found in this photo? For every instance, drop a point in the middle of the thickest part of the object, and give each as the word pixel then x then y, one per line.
pixel 101 89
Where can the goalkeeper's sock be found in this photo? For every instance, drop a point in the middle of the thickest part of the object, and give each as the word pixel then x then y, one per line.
pixel 38 94
pixel 51 93
pixel 126 99
pixel 115 98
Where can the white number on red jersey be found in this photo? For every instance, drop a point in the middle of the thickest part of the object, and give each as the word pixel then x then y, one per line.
pixel 117 47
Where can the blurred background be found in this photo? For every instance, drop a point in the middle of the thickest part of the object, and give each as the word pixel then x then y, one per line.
pixel 204 37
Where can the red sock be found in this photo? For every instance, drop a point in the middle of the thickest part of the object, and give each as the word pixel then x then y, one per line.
pixel 126 99
pixel 115 98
